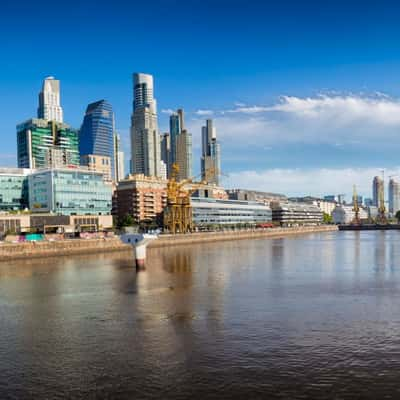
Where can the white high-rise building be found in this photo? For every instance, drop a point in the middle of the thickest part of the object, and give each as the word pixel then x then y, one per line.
pixel 394 196
pixel 119 159
pixel 49 101
pixel 145 139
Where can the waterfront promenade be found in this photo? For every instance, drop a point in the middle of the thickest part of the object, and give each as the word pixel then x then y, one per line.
pixel 13 251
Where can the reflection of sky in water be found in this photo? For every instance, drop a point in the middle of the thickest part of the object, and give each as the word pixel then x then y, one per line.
pixel 241 319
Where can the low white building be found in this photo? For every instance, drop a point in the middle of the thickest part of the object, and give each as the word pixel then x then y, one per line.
pixel 345 214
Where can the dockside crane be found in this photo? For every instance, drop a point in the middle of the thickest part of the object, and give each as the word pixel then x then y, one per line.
pixel 356 207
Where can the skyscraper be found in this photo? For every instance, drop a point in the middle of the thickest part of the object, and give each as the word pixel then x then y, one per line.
pixel 49 101
pixel 180 145
pixel 210 157
pixel 145 140
pixel 42 143
pixel 119 159
pixel 166 151
pixel 377 188
pixel 96 137
pixel 394 196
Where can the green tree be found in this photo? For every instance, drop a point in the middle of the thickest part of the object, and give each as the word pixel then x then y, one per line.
pixel 398 216
pixel 327 218
pixel 126 220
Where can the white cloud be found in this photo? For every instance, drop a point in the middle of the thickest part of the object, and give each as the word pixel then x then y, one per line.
pixel 302 181
pixel 167 111
pixel 324 119
pixel 204 112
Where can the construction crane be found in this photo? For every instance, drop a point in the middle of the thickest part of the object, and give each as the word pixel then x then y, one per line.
pixel 356 207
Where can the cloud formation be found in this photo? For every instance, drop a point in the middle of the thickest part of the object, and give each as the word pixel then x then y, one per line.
pixel 317 182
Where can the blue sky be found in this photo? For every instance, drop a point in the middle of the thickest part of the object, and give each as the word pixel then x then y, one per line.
pixel 305 94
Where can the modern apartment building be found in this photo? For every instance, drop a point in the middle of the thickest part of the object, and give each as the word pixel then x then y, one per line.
pixel 296 214
pixel 96 136
pixel 166 151
pixel 49 101
pixel 142 197
pixel 210 157
pixel 42 144
pixel 145 139
pixel 68 191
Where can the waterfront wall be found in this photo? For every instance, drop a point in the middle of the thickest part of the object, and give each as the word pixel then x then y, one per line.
pixel 203 237
pixel 11 251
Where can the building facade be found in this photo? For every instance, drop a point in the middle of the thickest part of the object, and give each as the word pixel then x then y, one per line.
pixel 210 157
pixel 209 212
pixel 50 101
pixel 69 192
pixel 98 163
pixel 253 195
pixel 96 136
pixel 166 151
pixel 119 159
pixel 377 190
pixel 394 196
pixel 183 156
pixel 43 144
pixel 346 215
pixel 14 191
pixel 142 197
pixel 145 139
pixel 296 214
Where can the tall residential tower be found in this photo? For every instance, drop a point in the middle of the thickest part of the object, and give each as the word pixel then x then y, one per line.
pixel 210 157
pixel 49 101
pixel 377 188
pixel 145 140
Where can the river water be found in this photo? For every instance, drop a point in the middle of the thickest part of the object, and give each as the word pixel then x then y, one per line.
pixel 313 316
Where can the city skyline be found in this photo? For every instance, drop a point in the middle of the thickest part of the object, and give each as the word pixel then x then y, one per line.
pixel 284 121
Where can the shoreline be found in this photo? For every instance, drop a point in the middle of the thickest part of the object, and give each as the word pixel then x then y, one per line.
pixel 17 251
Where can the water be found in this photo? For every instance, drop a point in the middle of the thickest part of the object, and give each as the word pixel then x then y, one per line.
pixel 315 316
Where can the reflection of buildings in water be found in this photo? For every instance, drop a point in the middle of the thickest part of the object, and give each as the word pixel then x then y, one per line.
pixel 180 261
pixel 380 251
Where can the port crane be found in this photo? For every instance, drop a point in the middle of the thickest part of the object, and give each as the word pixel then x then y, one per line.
pixel 178 217
pixel 356 207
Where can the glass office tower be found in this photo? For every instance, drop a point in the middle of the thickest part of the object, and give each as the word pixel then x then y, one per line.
pixel 96 136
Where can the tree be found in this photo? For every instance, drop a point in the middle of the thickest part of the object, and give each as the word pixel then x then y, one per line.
pixel 327 218
pixel 126 220
pixel 398 216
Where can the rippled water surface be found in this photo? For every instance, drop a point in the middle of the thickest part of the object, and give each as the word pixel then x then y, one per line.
pixel 316 316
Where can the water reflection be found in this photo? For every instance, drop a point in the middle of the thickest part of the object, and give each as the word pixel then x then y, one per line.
pixel 311 316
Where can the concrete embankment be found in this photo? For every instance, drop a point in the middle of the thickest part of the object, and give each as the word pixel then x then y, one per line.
pixel 203 237
pixel 12 251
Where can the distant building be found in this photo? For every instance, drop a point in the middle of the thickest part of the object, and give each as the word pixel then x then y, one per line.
pixel 210 154
pixel 43 144
pixel 394 196
pixel 209 212
pixel 345 214
pixel 69 192
pixel 49 101
pixel 253 195
pixel 296 214
pixel 119 159
pixel 145 139
pixel 325 206
pixel 166 151
pixel 163 170
pixel 14 192
pixel 180 146
pixel 377 188
pixel 330 197
pixel 368 202
pixel 96 136
pixel 142 197
pixel 98 163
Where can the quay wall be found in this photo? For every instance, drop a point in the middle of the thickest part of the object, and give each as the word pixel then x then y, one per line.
pixel 26 250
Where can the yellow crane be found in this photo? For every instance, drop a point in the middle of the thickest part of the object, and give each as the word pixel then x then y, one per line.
pixel 356 207
pixel 178 217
